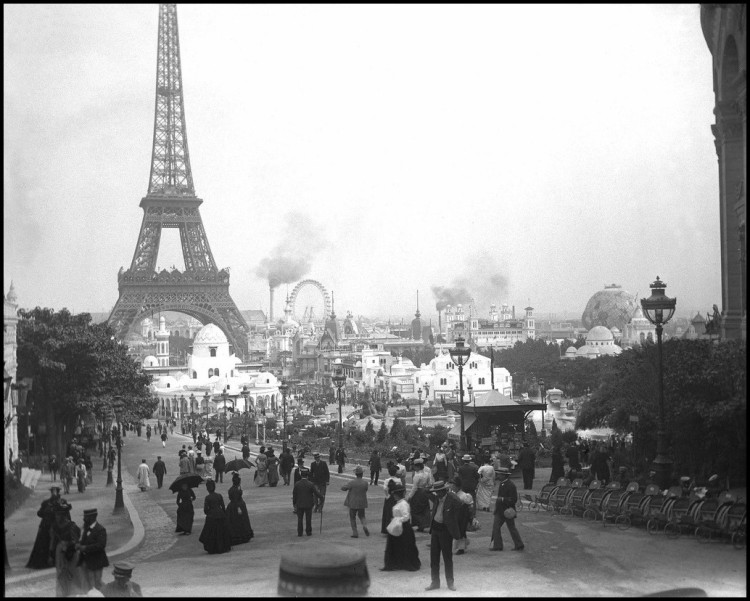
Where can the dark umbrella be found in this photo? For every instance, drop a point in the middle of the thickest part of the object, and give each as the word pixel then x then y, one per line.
pixel 237 464
pixel 192 480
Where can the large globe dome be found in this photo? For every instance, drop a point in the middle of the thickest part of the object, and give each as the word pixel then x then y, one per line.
pixel 611 307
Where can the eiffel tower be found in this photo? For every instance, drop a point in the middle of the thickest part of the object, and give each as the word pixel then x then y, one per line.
pixel 202 290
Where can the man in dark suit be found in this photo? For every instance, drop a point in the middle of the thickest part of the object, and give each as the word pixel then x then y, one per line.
pixel 444 529
pixel 219 464
pixel 469 474
pixel 319 476
pixel 526 461
pixel 304 496
pixel 507 497
pixel 92 547
pixel 160 469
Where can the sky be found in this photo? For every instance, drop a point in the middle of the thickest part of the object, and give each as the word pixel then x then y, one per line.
pixel 520 154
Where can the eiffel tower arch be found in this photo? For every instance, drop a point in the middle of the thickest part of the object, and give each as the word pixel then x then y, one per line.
pixel 202 290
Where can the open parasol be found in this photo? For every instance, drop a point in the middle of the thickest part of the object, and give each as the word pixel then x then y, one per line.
pixel 237 464
pixel 192 480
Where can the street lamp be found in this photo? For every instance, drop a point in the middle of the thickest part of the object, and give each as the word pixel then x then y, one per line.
pixel 245 395
pixel 459 356
pixel 470 390
pixel 419 395
pixel 183 403
pixel 338 379
pixel 659 309
pixel 119 503
pixel 192 412
pixel 541 400
pixel 283 387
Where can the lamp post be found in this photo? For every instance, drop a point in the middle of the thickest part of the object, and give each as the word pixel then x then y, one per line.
pixel 183 403
pixel 460 355
pixel 338 379
pixel 245 395
pixel 541 400
pixel 192 412
pixel 283 387
pixel 419 396
pixel 470 390
pixel 659 309
pixel 225 397
pixel 119 503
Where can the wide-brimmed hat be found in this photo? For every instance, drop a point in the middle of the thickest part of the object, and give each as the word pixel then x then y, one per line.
pixel 466 457
pixel 685 479
pixel 503 470
pixel 439 485
pixel 123 568
pixel 90 513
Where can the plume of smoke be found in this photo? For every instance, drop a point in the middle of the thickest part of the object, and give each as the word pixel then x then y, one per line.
pixel 450 295
pixel 292 258
pixel 483 281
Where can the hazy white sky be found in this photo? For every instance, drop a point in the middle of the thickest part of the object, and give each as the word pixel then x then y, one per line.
pixel 531 154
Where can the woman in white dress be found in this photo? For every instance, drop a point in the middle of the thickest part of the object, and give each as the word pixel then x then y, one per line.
pixel 486 486
pixel 143 481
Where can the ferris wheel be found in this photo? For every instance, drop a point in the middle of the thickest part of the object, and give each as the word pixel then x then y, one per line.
pixel 310 301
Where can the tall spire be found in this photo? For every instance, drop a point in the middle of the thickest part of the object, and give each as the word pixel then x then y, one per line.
pixel 333 311
pixel 417 313
pixel 170 161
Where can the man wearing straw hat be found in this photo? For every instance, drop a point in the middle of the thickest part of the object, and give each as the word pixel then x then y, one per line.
pixel 122 586
pixel 92 547
pixel 505 512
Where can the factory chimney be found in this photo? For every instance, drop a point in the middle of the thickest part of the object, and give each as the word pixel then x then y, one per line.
pixel 270 310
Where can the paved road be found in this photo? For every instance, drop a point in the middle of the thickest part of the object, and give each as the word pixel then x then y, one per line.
pixel 563 556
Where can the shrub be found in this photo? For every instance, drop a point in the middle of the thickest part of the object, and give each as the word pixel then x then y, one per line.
pixel 370 430
pixel 383 432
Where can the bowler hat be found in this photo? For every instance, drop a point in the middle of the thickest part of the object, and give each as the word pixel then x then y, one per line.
pixel 123 568
pixel 466 457
pixel 418 461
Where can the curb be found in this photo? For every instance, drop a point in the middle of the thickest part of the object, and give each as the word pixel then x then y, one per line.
pixel 135 540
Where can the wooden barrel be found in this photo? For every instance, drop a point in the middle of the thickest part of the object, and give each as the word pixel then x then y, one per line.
pixel 323 570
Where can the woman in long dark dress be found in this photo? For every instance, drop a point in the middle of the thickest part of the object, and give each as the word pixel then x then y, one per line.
pixel 239 521
pixel 42 555
pixel 216 537
pixel 185 510
pixel 388 485
pixel 401 551
pixel 558 465
pixel 272 464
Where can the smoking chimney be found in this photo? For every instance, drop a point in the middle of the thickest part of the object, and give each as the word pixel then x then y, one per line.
pixel 440 323
pixel 270 310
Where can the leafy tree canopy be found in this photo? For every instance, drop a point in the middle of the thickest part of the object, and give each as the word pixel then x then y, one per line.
pixel 79 368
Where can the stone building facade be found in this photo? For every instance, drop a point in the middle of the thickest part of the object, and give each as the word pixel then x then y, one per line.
pixel 725 30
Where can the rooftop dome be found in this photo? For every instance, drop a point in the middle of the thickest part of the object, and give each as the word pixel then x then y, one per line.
pixel 599 334
pixel 210 334
pixel 150 361
pixel 610 307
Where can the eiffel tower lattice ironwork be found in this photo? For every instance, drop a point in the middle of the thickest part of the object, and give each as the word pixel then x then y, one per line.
pixel 202 290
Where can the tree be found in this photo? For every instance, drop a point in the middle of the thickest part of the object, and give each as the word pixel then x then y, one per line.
pixel 370 430
pixel 383 432
pixel 80 370
pixel 556 435
pixel 705 403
